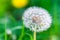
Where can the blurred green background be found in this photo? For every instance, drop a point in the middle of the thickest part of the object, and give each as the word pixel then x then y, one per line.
pixel 11 18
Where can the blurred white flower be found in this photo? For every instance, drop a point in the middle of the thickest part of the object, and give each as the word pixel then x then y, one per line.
pixel 8 31
pixel 14 37
pixel 37 19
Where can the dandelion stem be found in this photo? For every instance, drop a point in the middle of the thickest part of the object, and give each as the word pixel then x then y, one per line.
pixel 34 35
pixel 5 29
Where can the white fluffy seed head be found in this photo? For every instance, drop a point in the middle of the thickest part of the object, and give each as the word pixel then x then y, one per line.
pixel 37 19
pixel 8 31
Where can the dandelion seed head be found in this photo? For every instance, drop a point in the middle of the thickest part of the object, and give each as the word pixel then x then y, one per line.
pixel 37 19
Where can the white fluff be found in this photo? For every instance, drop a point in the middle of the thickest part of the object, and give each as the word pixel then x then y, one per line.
pixel 41 14
pixel 8 31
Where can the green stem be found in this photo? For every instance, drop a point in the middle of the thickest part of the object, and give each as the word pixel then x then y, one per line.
pixel 5 30
pixel 55 16
pixel 22 33
pixel 34 35
pixel 31 38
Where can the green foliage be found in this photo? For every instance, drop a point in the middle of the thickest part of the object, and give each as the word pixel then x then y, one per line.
pixel 14 17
